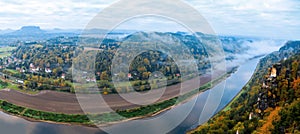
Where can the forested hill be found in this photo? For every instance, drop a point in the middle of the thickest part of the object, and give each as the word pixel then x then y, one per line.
pixel 46 64
pixel 289 49
pixel 269 103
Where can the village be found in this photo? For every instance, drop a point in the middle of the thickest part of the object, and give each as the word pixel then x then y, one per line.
pixel 39 67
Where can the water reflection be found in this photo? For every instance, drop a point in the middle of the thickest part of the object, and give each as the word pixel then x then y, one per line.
pixel 14 125
pixel 233 85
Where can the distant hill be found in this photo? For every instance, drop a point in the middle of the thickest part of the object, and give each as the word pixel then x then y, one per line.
pixel 6 31
pixel 289 49
pixel 240 48
pixel 31 33
pixel 230 44
pixel 35 32
pixel 28 31
pixel 235 48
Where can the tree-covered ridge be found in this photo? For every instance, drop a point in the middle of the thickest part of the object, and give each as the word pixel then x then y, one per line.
pixel 269 103
pixel 46 64
pixel 151 60
pixel 289 49
pixel 148 61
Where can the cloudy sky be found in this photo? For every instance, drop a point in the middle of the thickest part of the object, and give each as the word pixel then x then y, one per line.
pixel 269 18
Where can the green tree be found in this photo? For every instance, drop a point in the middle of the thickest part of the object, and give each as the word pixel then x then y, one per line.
pixel 104 76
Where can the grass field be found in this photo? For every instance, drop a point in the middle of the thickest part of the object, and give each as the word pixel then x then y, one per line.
pixel 12 71
pixel 6 51
pixel 2 87
pixel 3 84
pixel 15 87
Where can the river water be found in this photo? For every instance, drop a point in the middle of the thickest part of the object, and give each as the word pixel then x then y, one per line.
pixel 199 109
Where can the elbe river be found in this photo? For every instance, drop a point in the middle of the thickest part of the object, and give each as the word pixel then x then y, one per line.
pixel 199 113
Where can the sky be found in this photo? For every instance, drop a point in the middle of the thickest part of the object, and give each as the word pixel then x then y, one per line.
pixel 267 18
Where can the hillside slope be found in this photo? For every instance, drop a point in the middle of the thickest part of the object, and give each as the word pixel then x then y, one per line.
pixel 269 103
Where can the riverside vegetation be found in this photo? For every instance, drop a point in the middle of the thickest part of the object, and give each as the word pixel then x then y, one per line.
pixel 269 103
pixel 106 117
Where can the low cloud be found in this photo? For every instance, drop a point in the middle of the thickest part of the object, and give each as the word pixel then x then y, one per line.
pixel 276 18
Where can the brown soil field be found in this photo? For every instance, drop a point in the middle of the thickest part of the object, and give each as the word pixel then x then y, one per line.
pixel 59 102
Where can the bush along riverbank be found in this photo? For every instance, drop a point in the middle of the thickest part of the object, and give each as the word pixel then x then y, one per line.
pixel 105 118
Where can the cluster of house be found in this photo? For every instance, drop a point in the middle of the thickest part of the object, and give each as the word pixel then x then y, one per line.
pixel 93 79
pixel 88 79
pixel 48 70
pixel 21 70
pixel 134 75
pixel 129 75
pixel 33 69
pixel 6 61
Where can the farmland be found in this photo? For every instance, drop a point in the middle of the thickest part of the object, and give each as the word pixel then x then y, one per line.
pixel 6 51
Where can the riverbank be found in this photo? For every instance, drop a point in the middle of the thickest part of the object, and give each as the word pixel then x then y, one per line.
pixel 106 118
pixel 231 104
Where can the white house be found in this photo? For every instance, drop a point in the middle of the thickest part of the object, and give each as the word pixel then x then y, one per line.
pixel 20 81
pixel 31 65
pixel 48 70
pixel 22 70
pixel 63 76
pixel 35 69
pixel 129 75
pixel 93 80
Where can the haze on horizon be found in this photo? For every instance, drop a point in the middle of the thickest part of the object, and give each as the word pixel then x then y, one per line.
pixel 273 19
